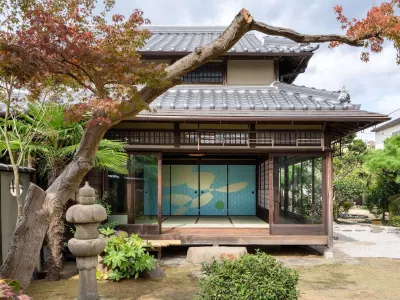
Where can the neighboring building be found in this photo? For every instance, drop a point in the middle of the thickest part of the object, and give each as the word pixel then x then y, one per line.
pixel 385 131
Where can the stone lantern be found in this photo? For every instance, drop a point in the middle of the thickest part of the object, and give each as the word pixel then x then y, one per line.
pixel 87 244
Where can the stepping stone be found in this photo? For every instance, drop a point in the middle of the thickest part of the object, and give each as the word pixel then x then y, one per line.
pixel 198 255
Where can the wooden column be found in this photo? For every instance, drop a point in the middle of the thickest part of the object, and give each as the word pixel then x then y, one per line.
pixel 276 193
pixel 131 192
pixel 313 208
pixel 270 191
pixel 286 191
pixel 329 193
pixel 159 194
pixel 301 189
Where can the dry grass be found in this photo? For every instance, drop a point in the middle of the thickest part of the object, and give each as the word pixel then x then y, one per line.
pixel 372 279
pixel 177 284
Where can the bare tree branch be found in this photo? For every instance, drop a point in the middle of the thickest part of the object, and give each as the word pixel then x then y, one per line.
pixel 306 38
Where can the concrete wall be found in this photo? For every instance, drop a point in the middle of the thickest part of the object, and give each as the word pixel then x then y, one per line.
pixel 9 207
pixel 382 135
pixel 250 72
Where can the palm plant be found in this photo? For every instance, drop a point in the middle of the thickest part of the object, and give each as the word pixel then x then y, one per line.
pixel 52 147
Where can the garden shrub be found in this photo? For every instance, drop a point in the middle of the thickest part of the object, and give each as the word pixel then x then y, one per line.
pixel 394 221
pixel 394 205
pixel 346 205
pixel 253 276
pixel 126 257
pixel 11 289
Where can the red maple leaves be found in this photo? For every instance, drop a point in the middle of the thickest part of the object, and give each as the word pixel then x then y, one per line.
pixel 380 24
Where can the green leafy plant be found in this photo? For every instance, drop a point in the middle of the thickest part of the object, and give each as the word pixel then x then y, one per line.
pixel 126 257
pixel 107 231
pixel 258 276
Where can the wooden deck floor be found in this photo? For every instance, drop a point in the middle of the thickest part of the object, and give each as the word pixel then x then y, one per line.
pixel 215 231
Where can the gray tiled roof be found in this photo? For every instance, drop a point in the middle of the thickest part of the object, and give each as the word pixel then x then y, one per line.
pixel 175 39
pixel 278 96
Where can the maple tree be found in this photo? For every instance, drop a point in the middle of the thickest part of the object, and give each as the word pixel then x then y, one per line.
pixel 72 44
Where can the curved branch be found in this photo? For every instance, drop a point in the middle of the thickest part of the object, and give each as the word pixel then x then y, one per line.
pixel 307 38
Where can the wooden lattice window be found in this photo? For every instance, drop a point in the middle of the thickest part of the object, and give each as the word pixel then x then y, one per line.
pixel 209 73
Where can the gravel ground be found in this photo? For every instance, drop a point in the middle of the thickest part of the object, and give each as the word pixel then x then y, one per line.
pixel 368 240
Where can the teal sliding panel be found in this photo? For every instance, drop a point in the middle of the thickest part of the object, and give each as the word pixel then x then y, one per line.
pixel 166 190
pixel 213 190
pixel 241 190
pixel 184 190
pixel 150 189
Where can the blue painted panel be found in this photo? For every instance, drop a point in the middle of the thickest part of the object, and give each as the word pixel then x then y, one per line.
pixel 150 190
pixel 242 190
pixel 184 190
pixel 213 190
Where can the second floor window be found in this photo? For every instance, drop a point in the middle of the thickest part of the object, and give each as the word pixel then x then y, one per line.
pixel 210 73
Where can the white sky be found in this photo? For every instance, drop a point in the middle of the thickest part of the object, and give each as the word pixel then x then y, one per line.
pixel 374 85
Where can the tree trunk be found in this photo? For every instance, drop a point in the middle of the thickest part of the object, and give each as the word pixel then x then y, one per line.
pixel 55 244
pixel 27 239
pixel 55 235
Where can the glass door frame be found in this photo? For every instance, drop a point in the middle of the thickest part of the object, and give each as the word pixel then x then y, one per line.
pixel 131 190
pixel 274 201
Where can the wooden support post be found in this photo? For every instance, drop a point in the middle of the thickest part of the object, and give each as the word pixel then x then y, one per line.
pixel 293 188
pixel 276 192
pixel 159 194
pixel 313 208
pixel 271 192
pixel 131 191
pixel 329 185
pixel 301 189
pixel 286 191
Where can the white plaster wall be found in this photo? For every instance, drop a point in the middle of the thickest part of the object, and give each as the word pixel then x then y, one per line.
pixel 250 72
pixel 382 135
pixel 9 208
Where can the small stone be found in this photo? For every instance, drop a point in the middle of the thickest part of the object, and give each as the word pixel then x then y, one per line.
pixel 198 274
pixel 328 254
pixel 155 274
pixel 197 255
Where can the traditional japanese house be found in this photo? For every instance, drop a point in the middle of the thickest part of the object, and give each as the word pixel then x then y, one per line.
pixel 236 154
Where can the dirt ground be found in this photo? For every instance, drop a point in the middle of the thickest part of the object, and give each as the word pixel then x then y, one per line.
pixel 371 279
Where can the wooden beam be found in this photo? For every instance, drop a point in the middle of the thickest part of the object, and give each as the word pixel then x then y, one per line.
pixel 221 239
